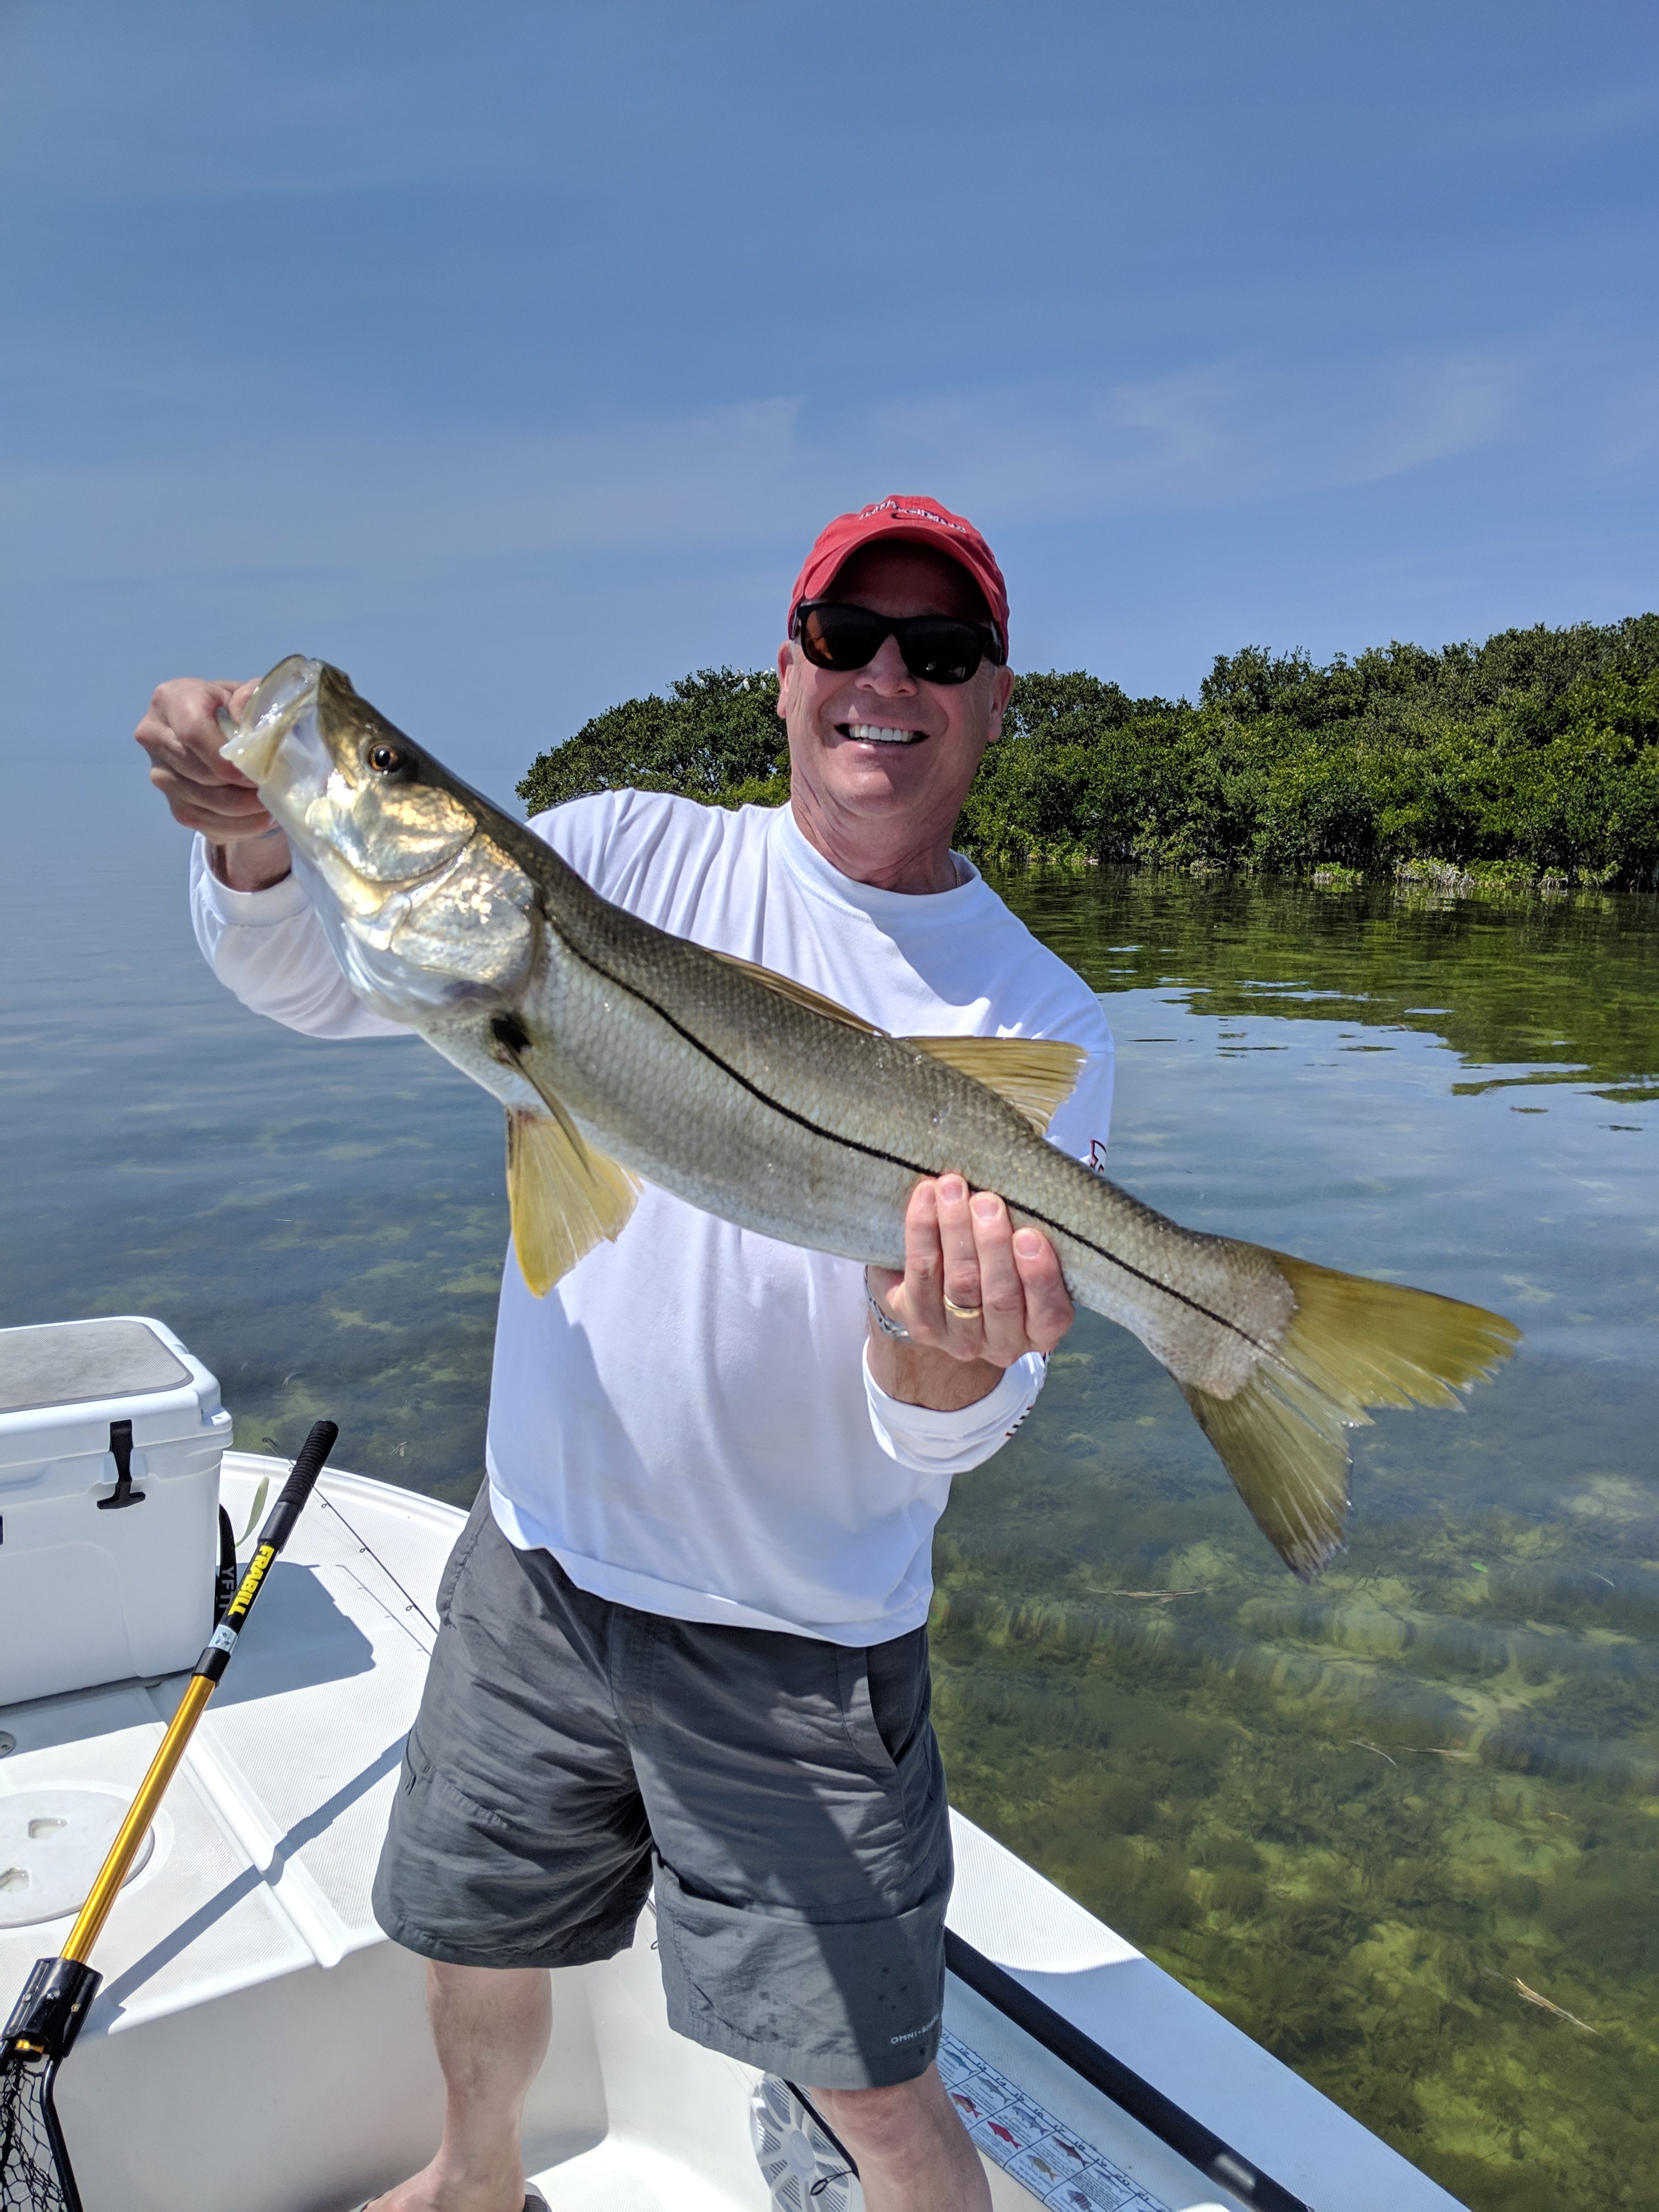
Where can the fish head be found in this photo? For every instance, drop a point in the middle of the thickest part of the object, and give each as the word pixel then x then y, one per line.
pixel 358 797
pixel 423 906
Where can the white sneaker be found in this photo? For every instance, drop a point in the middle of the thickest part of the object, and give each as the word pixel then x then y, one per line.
pixel 800 2161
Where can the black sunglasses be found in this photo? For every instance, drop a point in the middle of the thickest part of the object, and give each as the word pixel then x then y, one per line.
pixel 936 648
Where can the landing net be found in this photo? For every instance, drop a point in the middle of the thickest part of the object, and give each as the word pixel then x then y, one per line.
pixel 34 2167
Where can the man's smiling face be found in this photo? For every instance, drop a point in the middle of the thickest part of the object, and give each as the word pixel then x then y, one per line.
pixel 877 752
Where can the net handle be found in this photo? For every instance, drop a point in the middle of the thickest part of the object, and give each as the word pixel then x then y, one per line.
pixel 216 1657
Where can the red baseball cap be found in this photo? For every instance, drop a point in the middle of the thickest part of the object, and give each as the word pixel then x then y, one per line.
pixel 907 515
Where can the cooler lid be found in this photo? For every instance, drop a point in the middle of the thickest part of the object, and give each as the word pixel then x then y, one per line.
pixel 71 1363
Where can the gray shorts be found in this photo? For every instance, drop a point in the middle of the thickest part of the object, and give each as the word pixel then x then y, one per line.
pixel 785 1794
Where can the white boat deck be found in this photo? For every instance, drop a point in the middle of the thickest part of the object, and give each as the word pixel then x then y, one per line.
pixel 258 2046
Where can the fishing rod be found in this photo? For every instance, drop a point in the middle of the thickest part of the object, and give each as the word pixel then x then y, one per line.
pixel 363 1545
pixel 35 2174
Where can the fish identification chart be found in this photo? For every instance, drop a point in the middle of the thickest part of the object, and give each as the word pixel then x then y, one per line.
pixel 1029 2144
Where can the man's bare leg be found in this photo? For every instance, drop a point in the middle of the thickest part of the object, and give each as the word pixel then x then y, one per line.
pixel 912 2151
pixel 490 2026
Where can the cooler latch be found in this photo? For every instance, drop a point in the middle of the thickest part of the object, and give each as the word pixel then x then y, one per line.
pixel 120 1444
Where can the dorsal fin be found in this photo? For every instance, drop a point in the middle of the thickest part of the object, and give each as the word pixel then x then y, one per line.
pixel 799 994
pixel 1036 1075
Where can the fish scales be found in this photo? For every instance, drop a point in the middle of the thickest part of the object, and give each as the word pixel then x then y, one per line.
pixel 623 1053
pixel 855 1118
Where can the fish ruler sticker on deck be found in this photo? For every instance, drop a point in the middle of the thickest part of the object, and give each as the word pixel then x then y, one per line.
pixel 1011 2127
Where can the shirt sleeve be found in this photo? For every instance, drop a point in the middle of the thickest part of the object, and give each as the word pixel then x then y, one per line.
pixel 269 948
pixel 926 1441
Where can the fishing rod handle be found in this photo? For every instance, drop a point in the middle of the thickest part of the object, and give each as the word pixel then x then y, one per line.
pixel 301 1481
pixel 279 1526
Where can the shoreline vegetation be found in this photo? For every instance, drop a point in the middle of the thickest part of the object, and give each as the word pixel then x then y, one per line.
pixel 1527 764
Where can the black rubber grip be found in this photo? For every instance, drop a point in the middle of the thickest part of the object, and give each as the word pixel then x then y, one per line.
pixel 1129 2091
pixel 313 1457
pixel 51 2010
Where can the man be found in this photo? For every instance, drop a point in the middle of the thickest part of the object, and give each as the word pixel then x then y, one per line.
pixel 684 1637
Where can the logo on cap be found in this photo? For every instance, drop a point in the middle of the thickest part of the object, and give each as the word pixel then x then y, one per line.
pixel 914 514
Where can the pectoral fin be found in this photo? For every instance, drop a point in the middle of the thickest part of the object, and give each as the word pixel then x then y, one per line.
pixel 1036 1075
pixel 564 1196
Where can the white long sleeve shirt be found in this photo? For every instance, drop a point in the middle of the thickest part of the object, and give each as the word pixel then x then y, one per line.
pixel 687 1420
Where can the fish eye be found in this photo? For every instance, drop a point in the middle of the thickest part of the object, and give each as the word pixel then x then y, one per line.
pixel 385 758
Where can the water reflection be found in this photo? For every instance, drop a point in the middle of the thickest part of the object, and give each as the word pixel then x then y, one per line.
pixel 1400 1826
pixel 1387 1824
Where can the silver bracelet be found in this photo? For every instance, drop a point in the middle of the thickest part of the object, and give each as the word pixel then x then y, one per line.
pixel 885 1320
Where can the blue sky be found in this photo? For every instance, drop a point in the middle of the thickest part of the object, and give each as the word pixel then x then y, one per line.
pixel 510 354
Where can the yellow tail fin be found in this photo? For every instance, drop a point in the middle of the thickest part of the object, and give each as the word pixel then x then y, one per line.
pixel 1351 1343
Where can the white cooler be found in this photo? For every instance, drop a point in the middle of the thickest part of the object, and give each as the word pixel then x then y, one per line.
pixel 110 1436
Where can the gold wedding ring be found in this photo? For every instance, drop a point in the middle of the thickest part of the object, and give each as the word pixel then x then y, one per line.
pixel 962 1313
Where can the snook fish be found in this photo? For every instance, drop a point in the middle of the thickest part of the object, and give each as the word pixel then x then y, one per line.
pixel 621 1053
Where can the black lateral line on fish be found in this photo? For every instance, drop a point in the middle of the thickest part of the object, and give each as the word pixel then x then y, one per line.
pixel 892 1160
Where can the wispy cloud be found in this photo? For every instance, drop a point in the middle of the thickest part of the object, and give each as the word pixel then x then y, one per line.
pixel 1210 435
pixel 407 506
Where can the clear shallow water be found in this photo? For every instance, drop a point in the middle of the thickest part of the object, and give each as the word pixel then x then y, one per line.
pixel 324 1224
pixel 1376 1822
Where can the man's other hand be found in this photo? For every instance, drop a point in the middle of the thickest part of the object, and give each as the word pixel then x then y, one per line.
pixel 1006 1285
pixel 182 735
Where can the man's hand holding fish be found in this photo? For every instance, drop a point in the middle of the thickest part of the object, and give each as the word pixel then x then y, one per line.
pixel 182 735
pixel 799 1121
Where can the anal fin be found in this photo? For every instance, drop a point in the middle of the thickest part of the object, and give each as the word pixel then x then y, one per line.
pixel 564 1196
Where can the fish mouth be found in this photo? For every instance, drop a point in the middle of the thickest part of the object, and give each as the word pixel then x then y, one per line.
pixel 370 827
pixel 253 741
pixel 278 743
pixel 879 734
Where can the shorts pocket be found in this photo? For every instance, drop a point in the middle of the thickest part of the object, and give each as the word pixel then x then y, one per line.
pixel 857 1714
pixel 465 1543
pixel 442 1793
pixel 840 2004
pixel 416 1766
pixel 885 1699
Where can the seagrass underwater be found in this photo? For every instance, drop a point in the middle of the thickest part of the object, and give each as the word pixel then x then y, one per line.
pixel 1461 1089
pixel 624 1054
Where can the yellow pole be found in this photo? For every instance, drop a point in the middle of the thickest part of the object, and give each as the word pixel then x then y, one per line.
pixel 52 2009
pixel 93 1914
pixel 95 1911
